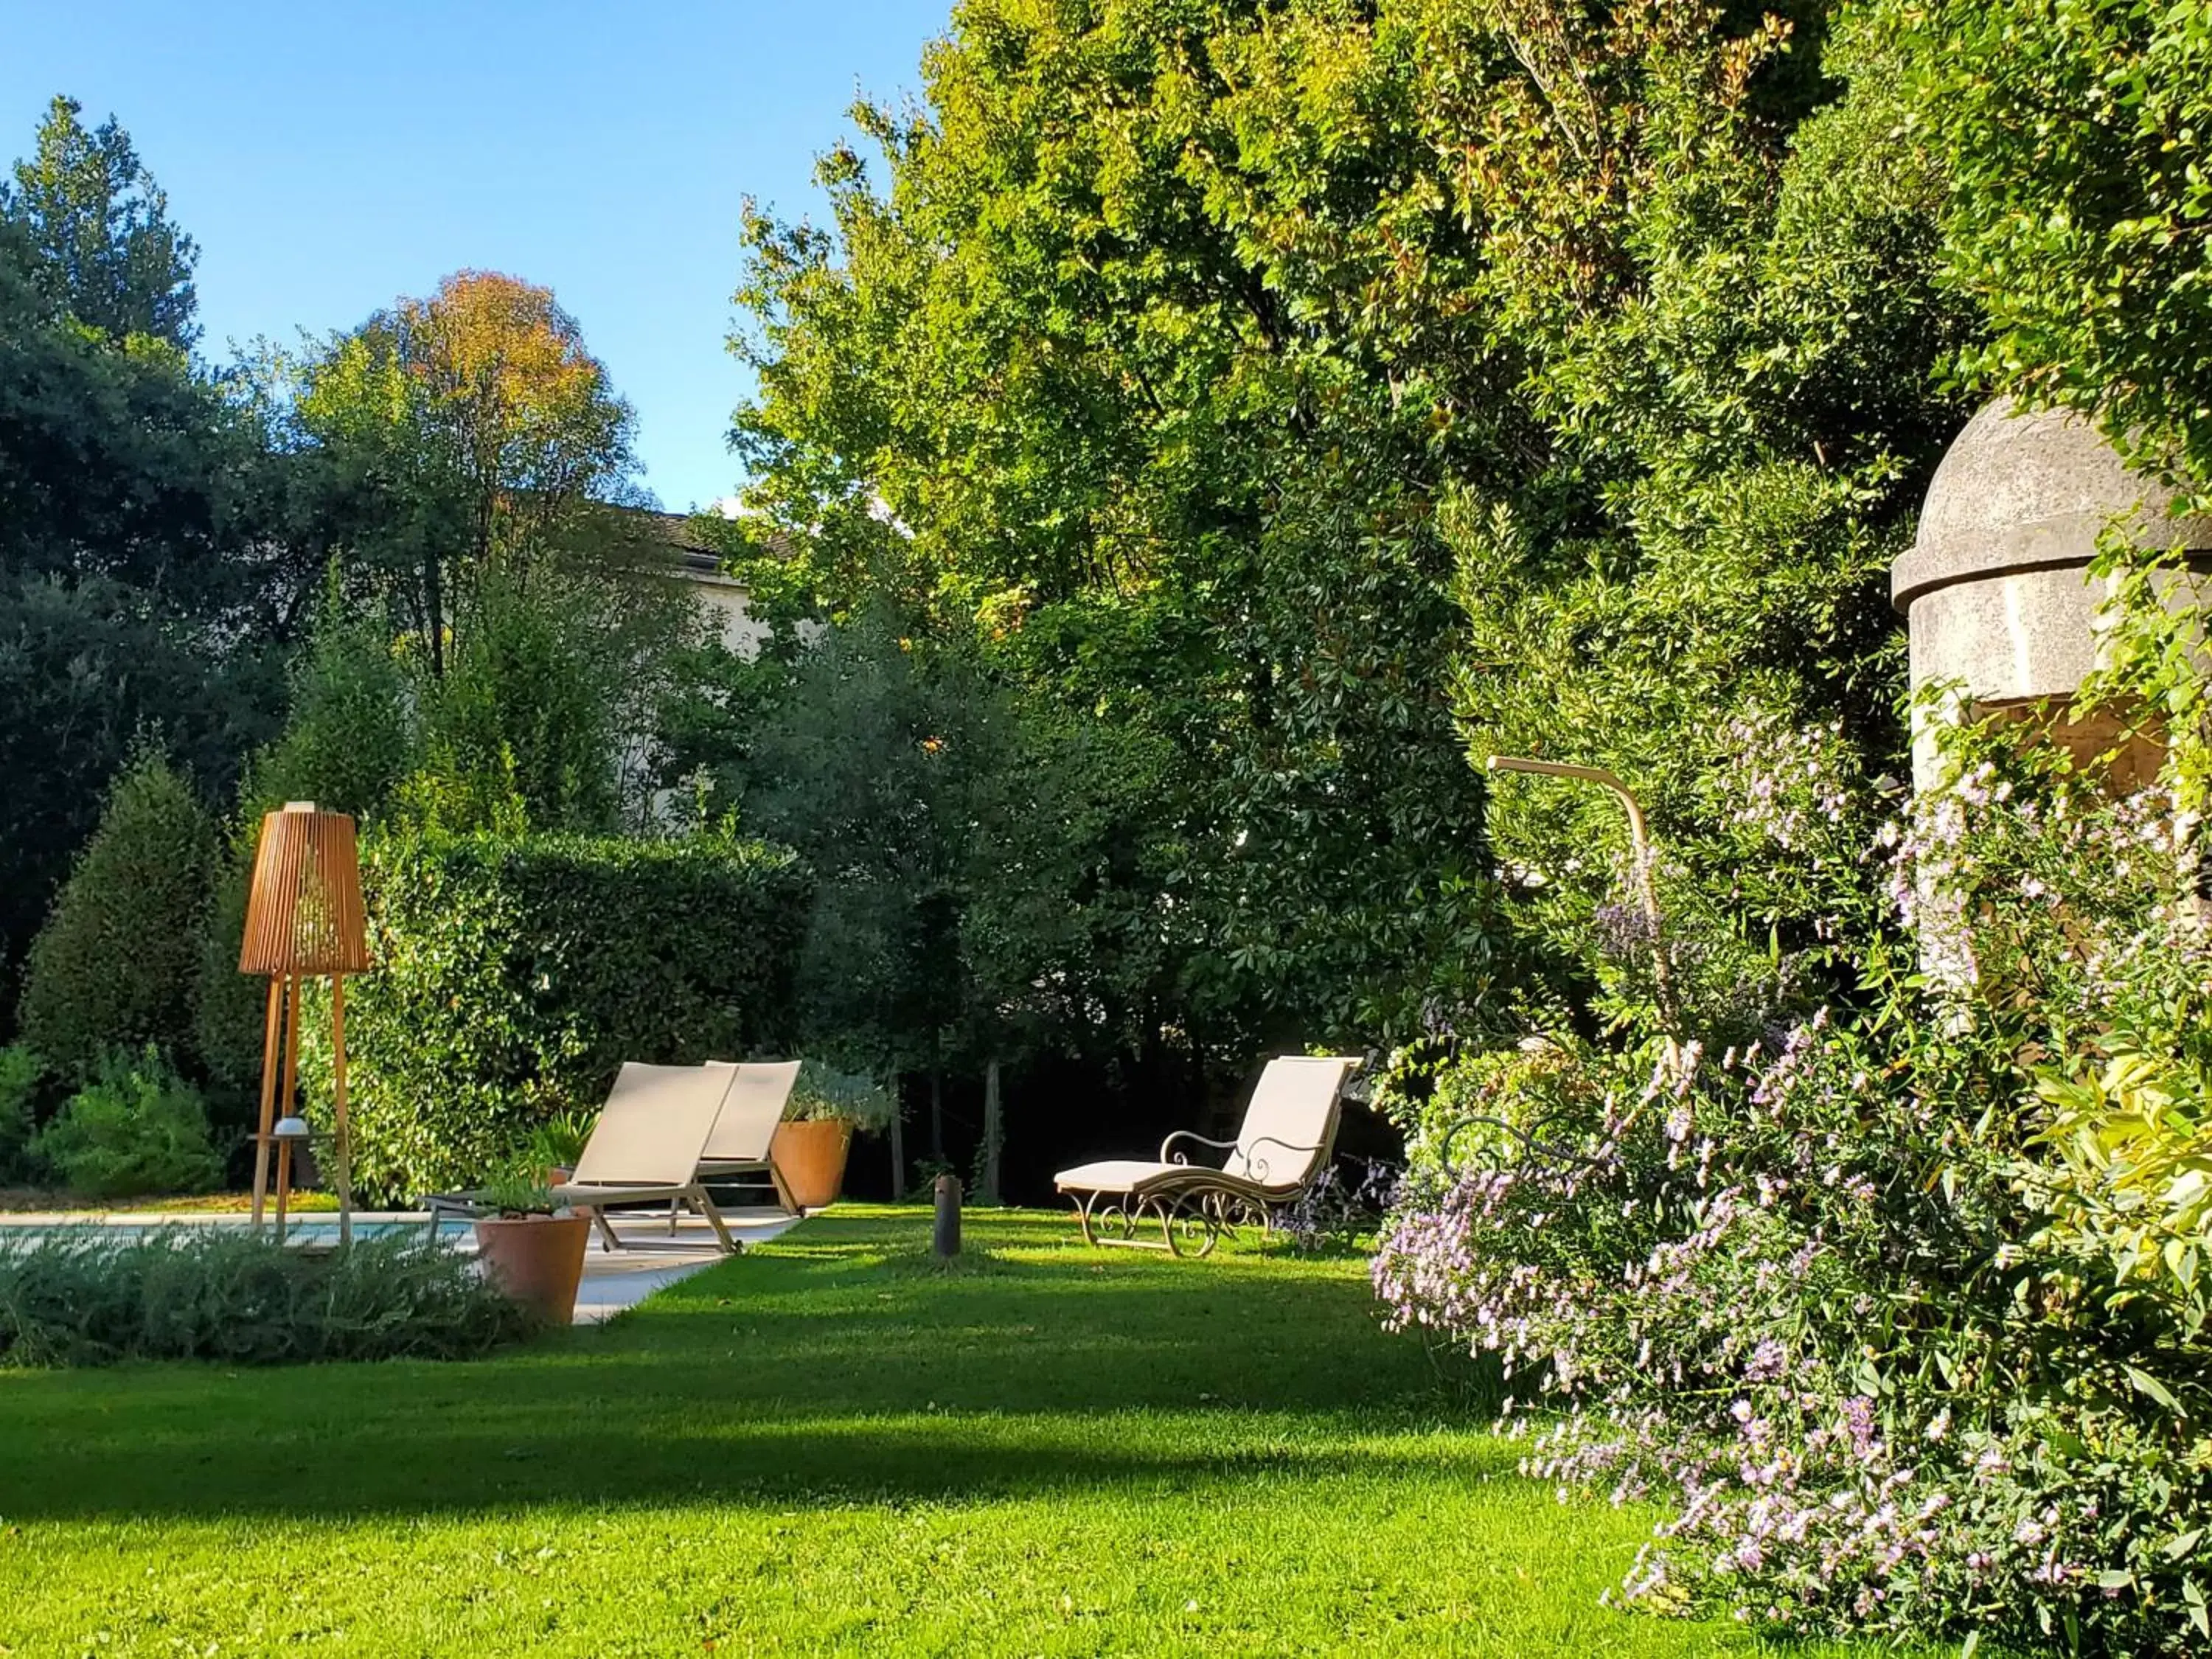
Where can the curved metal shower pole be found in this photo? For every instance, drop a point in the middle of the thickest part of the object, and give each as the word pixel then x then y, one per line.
pixel 1640 851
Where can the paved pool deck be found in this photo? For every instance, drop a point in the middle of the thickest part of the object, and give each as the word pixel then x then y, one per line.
pixel 652 1257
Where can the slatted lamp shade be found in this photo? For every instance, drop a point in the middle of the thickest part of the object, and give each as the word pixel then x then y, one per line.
pixel 304 914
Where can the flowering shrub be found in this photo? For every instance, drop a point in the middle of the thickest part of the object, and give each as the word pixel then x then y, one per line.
pixel 1894 1306
pixel 1340 1208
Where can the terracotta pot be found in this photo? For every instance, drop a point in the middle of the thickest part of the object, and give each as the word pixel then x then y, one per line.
pixel 538 1260
pixel 811 1158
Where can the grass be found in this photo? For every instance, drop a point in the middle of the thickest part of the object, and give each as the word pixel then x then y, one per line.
pixel 827 1446
pixel 15 1199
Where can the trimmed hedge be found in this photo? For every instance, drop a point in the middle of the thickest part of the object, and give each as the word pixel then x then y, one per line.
pixel 515 975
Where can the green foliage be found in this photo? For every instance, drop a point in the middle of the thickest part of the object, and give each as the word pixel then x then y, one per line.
pixel 21 1071
pixel 1744 411
pixel 462 434
pixel 98 1297
pixel 348 741
pixel 984 894
pixel 823 1091
pixel 143 573
pixel 558 1142
pixel 519 1189
pixel 514 977
pixel 1112 377
pixel 1946 1235
pixel 96 227
pixel 349 735
pixel 136 1128
pixel 2078 138
pixel 85 675
pixel 523 723
pixel 114 963
pixel 870 769
pixel 2134 1139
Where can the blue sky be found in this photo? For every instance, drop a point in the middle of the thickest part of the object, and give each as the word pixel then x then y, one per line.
pixel 330 157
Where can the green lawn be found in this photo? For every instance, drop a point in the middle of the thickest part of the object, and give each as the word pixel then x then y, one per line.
pixel 822 1447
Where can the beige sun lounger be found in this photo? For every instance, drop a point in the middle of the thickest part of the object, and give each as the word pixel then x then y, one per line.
pixel 1289 1133
pixel 745 1131
pixel 647 1145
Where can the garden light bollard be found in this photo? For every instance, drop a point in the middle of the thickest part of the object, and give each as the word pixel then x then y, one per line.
pixel 1639 841
pixel 946 1242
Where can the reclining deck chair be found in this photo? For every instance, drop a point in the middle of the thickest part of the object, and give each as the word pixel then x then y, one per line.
pixel 645 1149
pixel 745 1131
pixel 1289 1133
pixel 648 1145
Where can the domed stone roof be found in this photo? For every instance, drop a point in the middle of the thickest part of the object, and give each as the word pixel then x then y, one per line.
pixel 2018 492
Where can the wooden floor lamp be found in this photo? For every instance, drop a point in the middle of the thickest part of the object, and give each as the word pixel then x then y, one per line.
pixel 303 920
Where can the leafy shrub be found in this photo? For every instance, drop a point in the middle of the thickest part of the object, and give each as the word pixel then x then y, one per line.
pixel 136 1128
pixel 89 1298
pixel 20 1072
pixel 558 1142
pixel 514 977
pixel 113 966
pixel 347 743
pixel 1827 1293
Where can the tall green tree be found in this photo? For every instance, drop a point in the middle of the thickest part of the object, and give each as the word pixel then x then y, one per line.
pixel 1339 394
pixel 983 898
pixel 113 968
pixel 142 589
pixel 467 433
pixel 1052 378
pixel 97 230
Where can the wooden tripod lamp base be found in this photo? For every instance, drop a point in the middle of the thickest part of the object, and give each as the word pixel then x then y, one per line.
pixel 304 920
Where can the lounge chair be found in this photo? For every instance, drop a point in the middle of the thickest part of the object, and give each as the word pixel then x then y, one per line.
pixel 745 1131
pixel 648 1144
pixel 1289 1133
pixel 645 1149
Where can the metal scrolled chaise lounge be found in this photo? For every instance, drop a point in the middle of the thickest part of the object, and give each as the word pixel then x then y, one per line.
pixel 1289 1133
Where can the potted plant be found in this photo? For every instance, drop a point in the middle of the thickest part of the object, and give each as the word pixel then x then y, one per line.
pixel 811 1142
pixel 533 1248
pixel 557 1143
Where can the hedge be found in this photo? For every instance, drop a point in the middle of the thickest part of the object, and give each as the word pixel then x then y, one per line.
pixel 515 975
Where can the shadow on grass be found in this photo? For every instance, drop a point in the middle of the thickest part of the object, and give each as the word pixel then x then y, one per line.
pixel 838 1366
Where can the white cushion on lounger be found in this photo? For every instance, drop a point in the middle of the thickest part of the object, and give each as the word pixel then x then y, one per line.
pixel 1120 1175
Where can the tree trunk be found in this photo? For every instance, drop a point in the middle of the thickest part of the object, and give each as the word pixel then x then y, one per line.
pixel 994 1132
pixel 434 600
pixel 898 1141
pixel 936 1115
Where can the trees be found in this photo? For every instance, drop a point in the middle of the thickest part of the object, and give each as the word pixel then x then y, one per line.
pixel 981 900
pixel 1059 384
pixel 1331 393
pixel 467 432
pixel 96 229
pixel 113 966
pixel 135 569
pixel 2076 142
